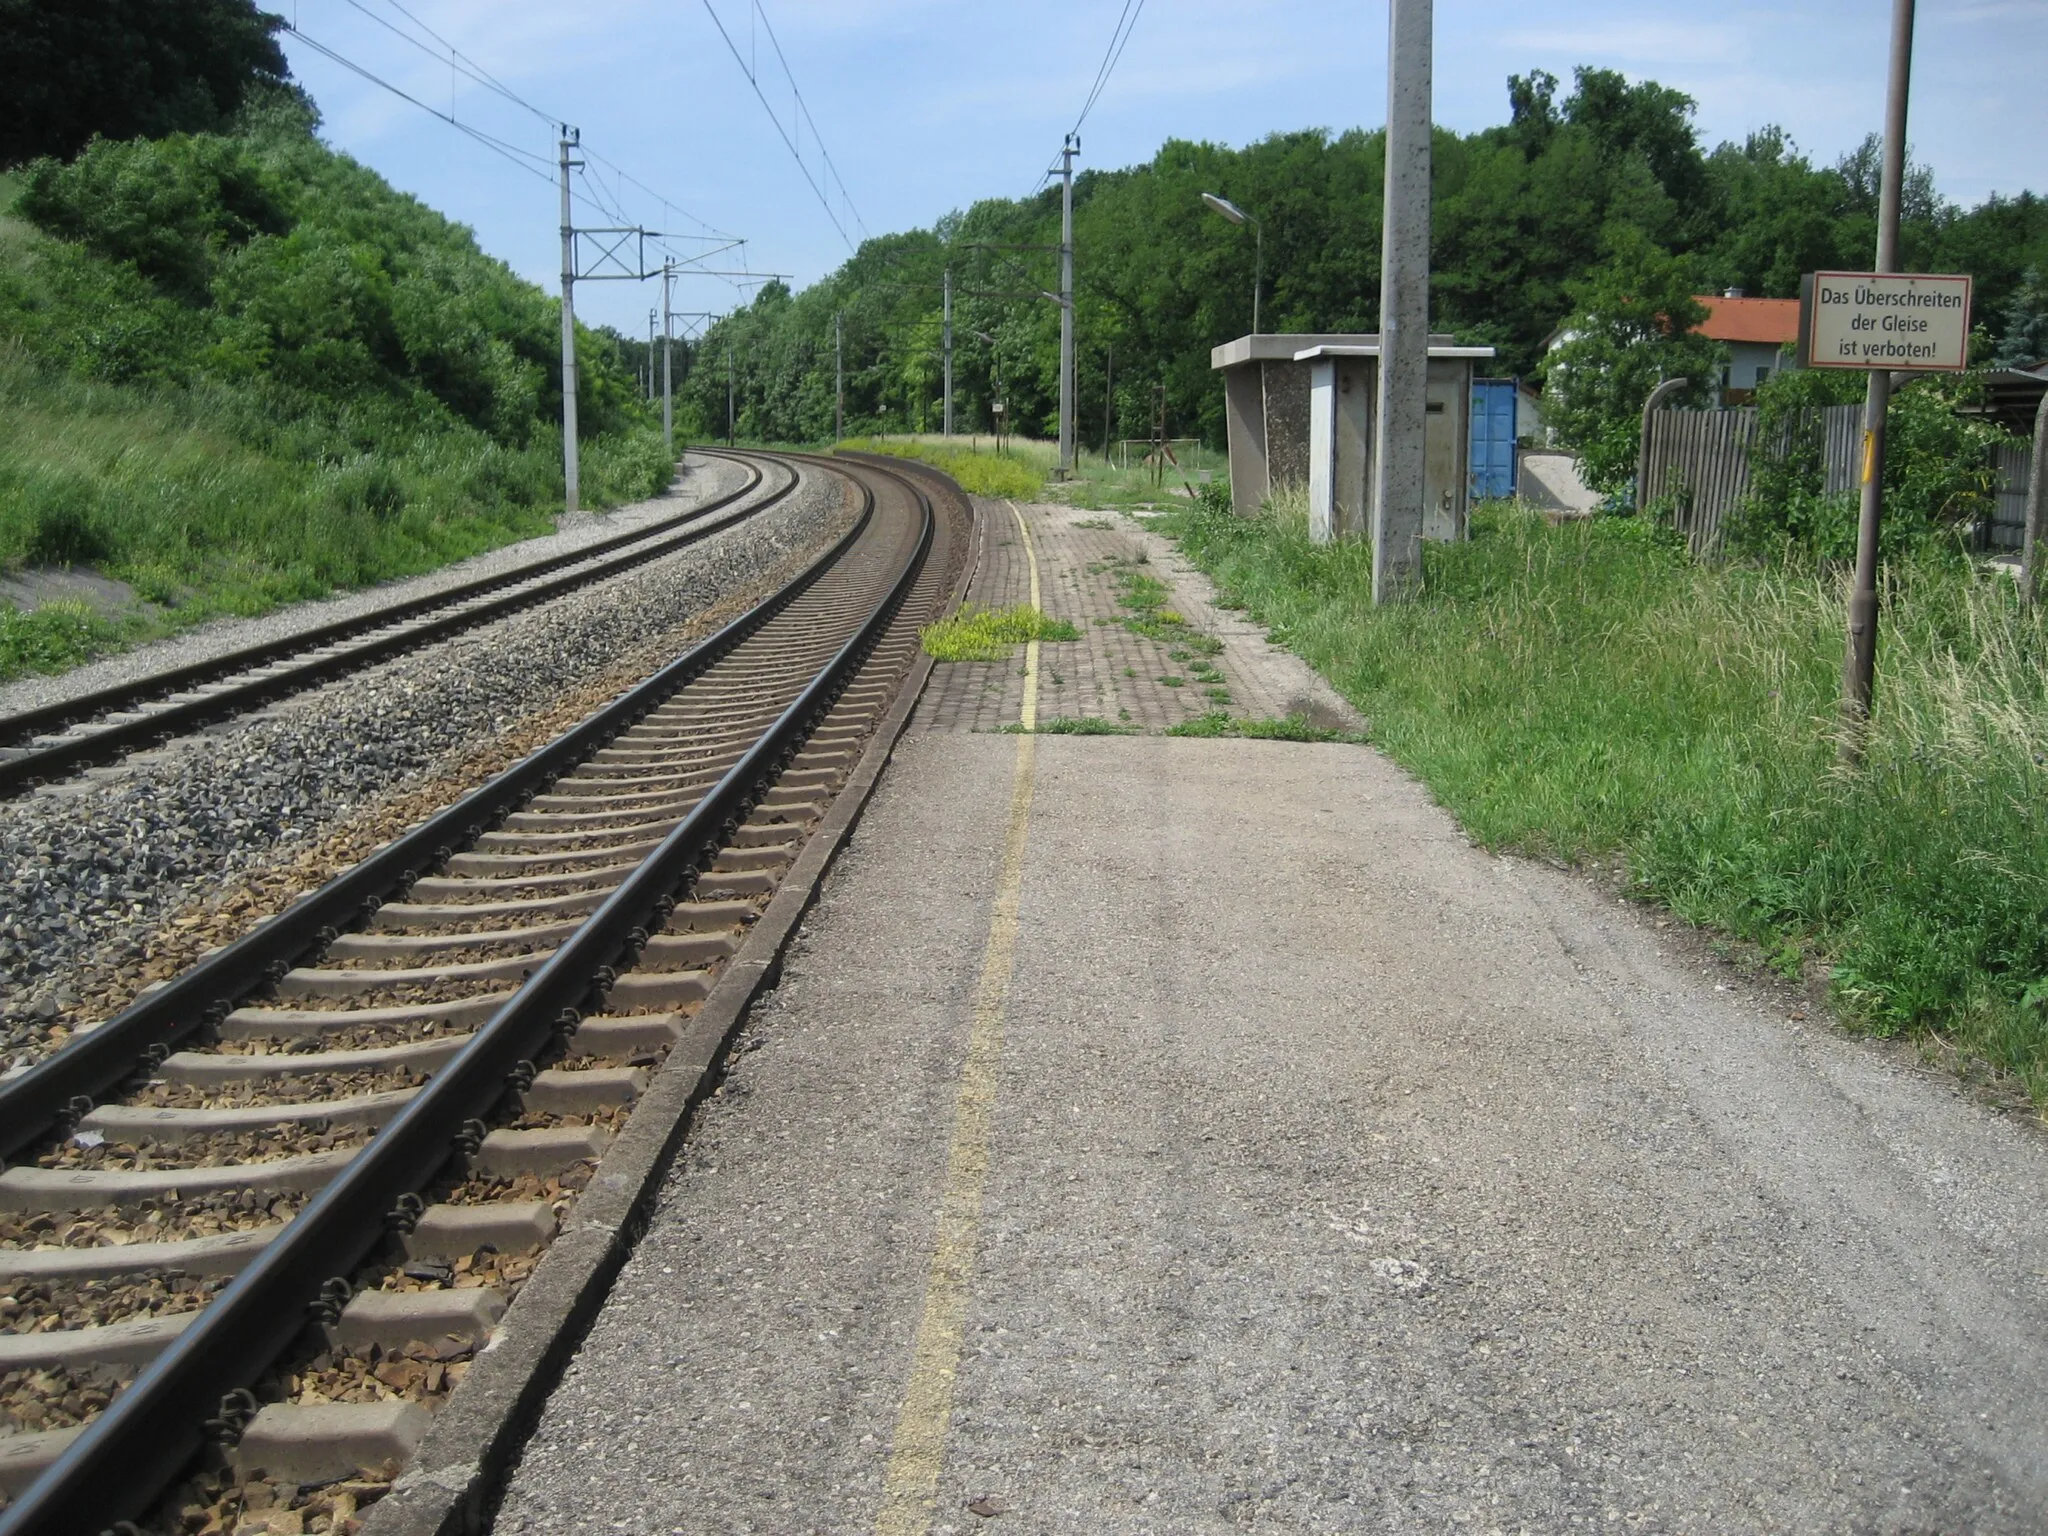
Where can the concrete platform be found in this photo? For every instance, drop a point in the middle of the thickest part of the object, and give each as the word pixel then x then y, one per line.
pixel 1163 1135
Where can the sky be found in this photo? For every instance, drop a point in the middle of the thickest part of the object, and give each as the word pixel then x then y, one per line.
pixel 925 106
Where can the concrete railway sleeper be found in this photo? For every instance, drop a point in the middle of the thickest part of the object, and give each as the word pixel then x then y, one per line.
pixel 52 742
pixel 331 1156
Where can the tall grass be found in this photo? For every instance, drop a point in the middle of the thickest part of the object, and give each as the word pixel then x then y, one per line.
pixel 1018 475
pixel 1586 690
pixel 204 512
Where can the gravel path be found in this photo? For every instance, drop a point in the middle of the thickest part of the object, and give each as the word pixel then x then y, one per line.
pixel 90 870
pixel 699 480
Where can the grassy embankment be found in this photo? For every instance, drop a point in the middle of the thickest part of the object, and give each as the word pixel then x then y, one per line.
pixel 1586 691
pixel 237 371
pixel 1024 470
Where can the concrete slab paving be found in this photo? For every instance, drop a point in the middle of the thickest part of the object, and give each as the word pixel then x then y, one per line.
pixel 1334 1175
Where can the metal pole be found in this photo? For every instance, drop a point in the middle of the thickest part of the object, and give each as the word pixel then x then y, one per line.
pixel 1109 395
pixel 572 496
pixel 668 413
pixel 2037 511
pixel 650 355
pixel 838 379
pixel 1398 479
pixel 1859 662
pixel 949 351
pixel 1258 269
pixel 728 395
pixel 1067 153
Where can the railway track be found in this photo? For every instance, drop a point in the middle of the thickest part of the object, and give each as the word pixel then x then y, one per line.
pixel 257 1227
pixel 54 741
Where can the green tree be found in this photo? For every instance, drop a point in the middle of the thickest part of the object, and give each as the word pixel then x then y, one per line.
pixel 1631 328
pixel 2025 341
pixel 71 70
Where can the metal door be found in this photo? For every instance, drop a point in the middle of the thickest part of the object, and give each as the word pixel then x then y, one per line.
pixel 1493 439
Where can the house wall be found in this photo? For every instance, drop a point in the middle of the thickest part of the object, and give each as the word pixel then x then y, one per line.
pixel 1739 374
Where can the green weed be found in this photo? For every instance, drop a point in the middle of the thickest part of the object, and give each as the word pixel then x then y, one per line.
pixel 1219 722
pixel 987 634
pixel 1074 725
pixel 52 637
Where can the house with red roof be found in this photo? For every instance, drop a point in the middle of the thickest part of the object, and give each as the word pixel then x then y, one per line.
pixel 1761 335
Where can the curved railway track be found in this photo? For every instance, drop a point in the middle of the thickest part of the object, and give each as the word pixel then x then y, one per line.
pixel 42 745
pixel 260 1223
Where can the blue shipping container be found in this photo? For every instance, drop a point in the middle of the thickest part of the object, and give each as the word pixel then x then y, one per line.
pixel 1493 439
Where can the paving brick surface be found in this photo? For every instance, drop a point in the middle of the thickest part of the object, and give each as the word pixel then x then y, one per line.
pixel 1113 673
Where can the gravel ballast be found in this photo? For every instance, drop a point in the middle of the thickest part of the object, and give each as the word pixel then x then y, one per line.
pixel 91 870
pixel 698 480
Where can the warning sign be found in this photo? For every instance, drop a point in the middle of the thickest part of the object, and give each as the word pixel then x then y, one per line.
pixel 1894 320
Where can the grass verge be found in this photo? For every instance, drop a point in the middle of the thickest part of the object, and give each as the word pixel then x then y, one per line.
pixel 1586 690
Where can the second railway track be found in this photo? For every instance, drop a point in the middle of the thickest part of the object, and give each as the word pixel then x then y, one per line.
pixel 262 1221
pixel 53 741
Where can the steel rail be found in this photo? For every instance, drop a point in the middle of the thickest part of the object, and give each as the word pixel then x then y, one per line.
pixel 68 1081
pixel 39 764
pixel 118 1466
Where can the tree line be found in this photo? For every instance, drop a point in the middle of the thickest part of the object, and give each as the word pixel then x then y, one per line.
pixel 1574 193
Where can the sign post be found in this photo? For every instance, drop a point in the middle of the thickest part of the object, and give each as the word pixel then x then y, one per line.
pixel 1859 323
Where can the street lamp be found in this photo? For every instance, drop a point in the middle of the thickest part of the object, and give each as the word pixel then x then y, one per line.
pixel 1237 215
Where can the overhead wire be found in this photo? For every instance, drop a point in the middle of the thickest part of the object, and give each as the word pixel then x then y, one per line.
pixel 454 57
pixel 541 165
pixel 753 79
pixel 457 60
pixel 1119 38
pixel 487 77
pixel 817 137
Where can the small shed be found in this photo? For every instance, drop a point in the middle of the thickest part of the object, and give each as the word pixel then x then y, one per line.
pixel 1300 410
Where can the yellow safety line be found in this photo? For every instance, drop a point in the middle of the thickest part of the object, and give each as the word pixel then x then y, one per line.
pixel 910 1483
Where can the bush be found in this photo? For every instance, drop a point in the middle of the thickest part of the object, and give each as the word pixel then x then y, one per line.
pixel 1939 476
pixel 168 207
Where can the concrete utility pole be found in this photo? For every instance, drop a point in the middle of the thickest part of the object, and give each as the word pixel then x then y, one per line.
pixel 668 321
pixel 729 417
pixel 650 354
pixel 949 351
pixel 571 490
pixel 1397 492
pixel 668 316
pixel 1108 395
pixel 838 379
pixel 1859 663
pixel 1068 150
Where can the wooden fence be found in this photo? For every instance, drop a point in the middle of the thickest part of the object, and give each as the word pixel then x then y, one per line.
pixel 1698 465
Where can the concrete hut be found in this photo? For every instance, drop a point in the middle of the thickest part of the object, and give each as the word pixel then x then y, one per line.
pixel 1300 411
